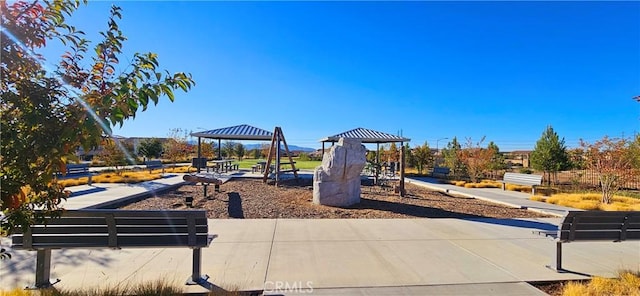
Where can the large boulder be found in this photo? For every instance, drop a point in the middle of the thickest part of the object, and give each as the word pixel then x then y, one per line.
pixel 337 181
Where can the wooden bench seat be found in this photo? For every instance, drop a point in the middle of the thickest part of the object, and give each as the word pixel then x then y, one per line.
pixel 116 229
pixel 522 179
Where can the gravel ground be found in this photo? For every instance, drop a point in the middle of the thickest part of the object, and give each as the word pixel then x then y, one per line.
pixel 251 199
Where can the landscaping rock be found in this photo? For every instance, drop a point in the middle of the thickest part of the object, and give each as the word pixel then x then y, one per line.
pixel 337 181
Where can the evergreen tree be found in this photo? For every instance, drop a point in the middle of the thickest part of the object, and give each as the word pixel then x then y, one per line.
pixel 497 160
pixel 550 154
pixel 239 150
pixel 423 157
pixel 451 159
pixel 409 156
pixel 150 148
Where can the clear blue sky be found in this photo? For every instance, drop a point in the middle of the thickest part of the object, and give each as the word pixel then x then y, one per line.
pixel 504 70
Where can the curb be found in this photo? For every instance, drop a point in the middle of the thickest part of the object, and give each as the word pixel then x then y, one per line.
pixel 508 204
pixel 120 202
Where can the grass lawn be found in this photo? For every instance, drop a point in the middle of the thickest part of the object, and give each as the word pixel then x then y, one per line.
pixel 300 164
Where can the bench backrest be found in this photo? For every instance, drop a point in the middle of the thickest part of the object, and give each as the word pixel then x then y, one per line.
pixel 117 229
pixel 600 225
pixel 153 164
pixel 522 179
pixel 441 170
pixel 77 168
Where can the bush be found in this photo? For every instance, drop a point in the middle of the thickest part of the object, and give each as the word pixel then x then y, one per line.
pixel 525 171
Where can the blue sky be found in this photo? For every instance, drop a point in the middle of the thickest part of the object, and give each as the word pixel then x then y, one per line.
pixel 504 70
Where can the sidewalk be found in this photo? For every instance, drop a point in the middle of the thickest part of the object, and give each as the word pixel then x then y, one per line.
pixel 506 197
pixel 337 256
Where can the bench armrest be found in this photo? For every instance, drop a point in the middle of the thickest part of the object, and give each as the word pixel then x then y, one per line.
pixel 547 233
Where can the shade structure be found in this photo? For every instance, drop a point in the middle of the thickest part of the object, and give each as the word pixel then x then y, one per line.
pixel 371 136
pixel 366 136
pixel 238 132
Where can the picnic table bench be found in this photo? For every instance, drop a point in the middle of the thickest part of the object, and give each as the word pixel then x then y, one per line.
pixel 616 226
pixel 116 229
pixel 522 179
pixel 74 171
pixel 154 164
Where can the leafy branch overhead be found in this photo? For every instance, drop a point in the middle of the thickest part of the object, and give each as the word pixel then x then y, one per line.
pixel 48 114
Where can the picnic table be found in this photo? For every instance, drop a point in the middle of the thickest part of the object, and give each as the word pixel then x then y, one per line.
pixel 224 165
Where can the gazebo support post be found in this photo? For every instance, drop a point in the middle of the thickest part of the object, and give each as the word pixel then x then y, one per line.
pixel 200 155
pixel 402 159
pixel 377 166
pixel 219 149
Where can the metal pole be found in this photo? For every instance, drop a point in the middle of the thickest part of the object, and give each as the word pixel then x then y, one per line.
pixel 199 155
pixel 377 168
pixel 402 191
pixel 219 150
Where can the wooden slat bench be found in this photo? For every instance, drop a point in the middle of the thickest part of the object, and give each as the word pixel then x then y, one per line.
pixel 578 226
pixel 75 171
pixel 116 229
pixel 153 165
pixel 522 179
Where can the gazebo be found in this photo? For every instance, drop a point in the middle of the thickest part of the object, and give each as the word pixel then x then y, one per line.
pixel 238 132
pixel 372 136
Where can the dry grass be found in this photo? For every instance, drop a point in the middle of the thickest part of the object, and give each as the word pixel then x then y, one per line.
pixel 627 283
pixel 161 286
pixel 591 201
pixel 126 176
pixel 484 184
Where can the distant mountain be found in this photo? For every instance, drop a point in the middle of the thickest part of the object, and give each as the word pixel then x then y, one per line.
pixel 291 147
pixel 257 146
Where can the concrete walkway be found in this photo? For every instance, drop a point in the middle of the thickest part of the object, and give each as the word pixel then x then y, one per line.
pixel 337 256
pixel 506 197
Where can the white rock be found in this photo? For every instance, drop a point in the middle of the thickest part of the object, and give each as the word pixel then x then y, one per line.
pixel 337 181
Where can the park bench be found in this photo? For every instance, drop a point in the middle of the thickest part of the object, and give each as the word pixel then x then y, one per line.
pixel 578 226
pixel 522 179
pixel 440 172
pixel 153 165
pixel 75 171
pixel 116 229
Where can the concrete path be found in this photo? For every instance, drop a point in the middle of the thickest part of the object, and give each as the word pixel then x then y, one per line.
pixel 337 256
pixel 497 195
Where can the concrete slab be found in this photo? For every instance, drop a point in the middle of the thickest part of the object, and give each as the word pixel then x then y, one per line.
pixel 296 230
pixel 496 195
pixel 237 266
pixel 242 230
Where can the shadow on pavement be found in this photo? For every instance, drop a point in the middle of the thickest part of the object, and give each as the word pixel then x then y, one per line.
pixel 87 191
pixel 518 223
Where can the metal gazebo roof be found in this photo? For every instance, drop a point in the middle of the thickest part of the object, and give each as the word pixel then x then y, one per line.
pixel 366 136
pixel 238 132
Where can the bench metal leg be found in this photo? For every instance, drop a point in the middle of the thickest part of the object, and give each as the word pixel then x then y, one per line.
pixel 196 278
pixel 43 270
pixel 556 263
